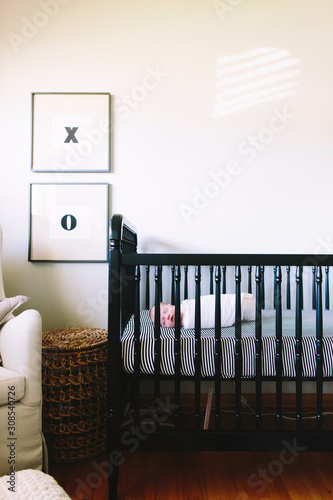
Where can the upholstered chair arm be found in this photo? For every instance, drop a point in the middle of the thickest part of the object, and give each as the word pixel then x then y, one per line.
pixel 21 352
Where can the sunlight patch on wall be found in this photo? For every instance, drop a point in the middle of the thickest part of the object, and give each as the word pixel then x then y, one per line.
pixel 250 78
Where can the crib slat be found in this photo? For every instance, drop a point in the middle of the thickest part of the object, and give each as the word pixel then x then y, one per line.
pixel 185 282
pixel 314 295
pixel 298 348
pixel 161 284
pixel 217 351
pixel 274 288
pixel 262 300
pixel 288 287
pixel 172 284
pixel 211 280
pixel 197 348
pixel 137 277
pixel 249 279
pixel 147 287
pixel 157 337
pixel 278 354
pixel 301 289
pixel 238 347
pixel 258 344
pixel 319 353
pixel 224 280
pixel 327 288
pixel 177 346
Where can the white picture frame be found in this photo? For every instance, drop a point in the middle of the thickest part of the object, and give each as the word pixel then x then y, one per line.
pixel 71 132
pixel 69 222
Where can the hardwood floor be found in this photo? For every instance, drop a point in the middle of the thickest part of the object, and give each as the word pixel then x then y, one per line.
pixel 208 475
pixel 203 476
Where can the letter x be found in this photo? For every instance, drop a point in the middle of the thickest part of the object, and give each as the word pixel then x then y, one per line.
pixel 71 134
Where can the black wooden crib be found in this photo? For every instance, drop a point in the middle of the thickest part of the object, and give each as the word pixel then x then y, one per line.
pixel 289 342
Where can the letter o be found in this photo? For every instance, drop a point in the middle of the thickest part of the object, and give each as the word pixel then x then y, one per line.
pixel 275 467
pixel 40 19
pixel 211 190
pixel 139 94
pixel 148 430
pixel 103 297
pixel 310 261
pixel 266 135
pixel 68 222
pixel 284 460
pixel 90 481
pixel 84 148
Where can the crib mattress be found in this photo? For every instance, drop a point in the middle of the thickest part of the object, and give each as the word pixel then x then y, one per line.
pixel 187 342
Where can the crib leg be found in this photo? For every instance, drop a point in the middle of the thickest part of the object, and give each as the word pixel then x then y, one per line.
pixel 113 484
pixel 208 406
pixel 113 443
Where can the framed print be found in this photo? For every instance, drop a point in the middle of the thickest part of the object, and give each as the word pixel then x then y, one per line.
pixel 69 222
pixel 71 132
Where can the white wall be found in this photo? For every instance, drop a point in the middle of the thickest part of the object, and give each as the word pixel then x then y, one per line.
pixel 162 61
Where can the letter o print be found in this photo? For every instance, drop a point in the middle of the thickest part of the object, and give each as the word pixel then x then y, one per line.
pixel 68 222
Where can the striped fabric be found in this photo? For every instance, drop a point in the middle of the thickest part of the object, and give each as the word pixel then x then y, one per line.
pixel 228 346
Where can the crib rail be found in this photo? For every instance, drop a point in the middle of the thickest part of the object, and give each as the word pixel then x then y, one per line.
pixel 152 258
pixel 140 279
pixel 193 259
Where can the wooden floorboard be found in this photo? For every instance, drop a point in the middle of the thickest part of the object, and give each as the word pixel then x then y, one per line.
pixel 206 475
pixel 202 476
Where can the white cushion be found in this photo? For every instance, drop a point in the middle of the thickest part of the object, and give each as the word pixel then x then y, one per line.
pixel 2 291
pixel 21 351
pixel 8 305
pixel 9 379
pixel 31 484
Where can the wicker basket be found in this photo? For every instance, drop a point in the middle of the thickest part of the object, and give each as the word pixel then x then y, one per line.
pixel 74 370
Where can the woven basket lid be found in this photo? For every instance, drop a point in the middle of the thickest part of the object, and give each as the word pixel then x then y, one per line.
pixel 74 339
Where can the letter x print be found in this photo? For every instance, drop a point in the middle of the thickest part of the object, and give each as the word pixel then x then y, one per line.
pixel 71 134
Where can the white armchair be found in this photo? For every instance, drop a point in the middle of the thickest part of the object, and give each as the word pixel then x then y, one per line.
pixel 21 438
